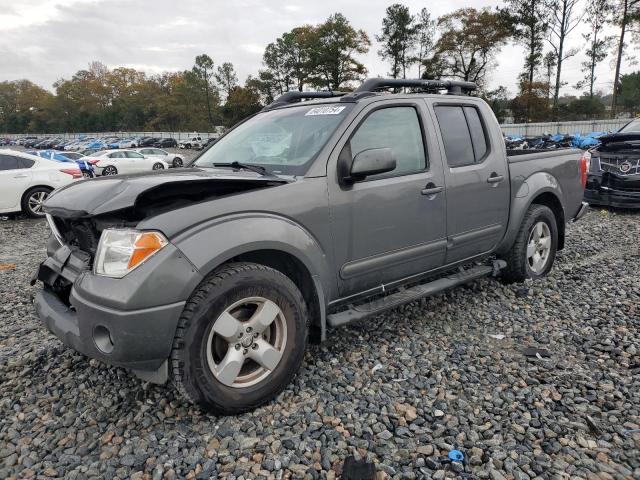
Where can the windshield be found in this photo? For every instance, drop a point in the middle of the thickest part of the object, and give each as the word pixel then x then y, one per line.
pixel 283 141
pixel 633 127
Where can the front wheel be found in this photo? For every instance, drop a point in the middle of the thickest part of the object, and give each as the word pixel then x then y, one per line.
pixel 534 251
pixel 240 339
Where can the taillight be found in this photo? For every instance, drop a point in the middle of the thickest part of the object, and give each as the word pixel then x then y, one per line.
pixel 92 162
pixel 74 172
pixel 585 163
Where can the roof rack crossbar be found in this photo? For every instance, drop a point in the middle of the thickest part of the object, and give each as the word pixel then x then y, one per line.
pixel 453 87
pixel 294 96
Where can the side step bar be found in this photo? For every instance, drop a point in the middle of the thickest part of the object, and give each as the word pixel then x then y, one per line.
pixel 363 310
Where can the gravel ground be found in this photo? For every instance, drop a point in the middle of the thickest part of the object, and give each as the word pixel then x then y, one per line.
pixel 400 390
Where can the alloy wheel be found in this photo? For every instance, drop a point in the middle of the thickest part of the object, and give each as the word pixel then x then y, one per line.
pixel 246 342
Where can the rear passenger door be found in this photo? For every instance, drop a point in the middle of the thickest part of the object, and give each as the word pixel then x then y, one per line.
pixel 388 226
pixel 476 177
pixel 15 178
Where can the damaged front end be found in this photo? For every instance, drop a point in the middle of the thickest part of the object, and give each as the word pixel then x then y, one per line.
pixel 127 320
pixel 78 215
pixel 614 176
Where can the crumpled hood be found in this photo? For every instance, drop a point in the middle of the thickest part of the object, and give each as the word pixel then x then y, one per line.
pixel 108 194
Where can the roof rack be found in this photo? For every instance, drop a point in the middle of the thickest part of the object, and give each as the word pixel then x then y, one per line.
pixel 453 87
pixel 294 96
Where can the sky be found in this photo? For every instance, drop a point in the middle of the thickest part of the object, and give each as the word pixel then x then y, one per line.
pixel 45 40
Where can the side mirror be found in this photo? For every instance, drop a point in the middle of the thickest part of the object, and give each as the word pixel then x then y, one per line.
pixel 371 162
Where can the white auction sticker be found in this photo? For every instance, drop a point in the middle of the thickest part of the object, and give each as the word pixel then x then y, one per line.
pixel 325 111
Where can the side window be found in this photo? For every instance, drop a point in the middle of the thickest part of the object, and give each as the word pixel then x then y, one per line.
pixel 397 128
pixel 133 154
pixel 25 163
pixel 455 135
pixel 158 151
pixel 478 138
pixel 146 151
pixel 463 135
pixel 8 162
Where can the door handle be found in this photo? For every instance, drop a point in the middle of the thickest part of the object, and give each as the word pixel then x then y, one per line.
pixel 20 176
pixel 495 178
pixel 431 189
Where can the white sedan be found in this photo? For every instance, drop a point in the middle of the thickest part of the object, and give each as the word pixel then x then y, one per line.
pixel 173 159
pixel 113 162
pixel 27 180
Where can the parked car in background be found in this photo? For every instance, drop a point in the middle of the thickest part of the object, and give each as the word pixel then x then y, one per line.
pixel 306 216
pixel 166 143
pixel 114 162
pixel 614 174
pixel 66 157
pixel 148 141
pixel 195 141
pixel 30 142
pixel 172 159
pixel 27 180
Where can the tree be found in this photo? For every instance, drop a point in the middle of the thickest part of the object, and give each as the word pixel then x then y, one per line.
pixel 397 38
pixel 426 32
pixel 626 15
pixel 597 15
pixel 532 103
pixel 226 77
pixel 498 101
pixel 203 70
pixel 630 92
pixel 334 53
pixel 564 19
pixel 530 23
pixel 241 102
pixel 289 59
pixel 550 64
pixel 469 42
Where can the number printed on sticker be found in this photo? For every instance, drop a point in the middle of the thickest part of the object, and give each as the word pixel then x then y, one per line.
pixel 325 111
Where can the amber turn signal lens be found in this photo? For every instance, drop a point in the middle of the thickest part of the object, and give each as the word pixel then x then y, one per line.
pixel 145 245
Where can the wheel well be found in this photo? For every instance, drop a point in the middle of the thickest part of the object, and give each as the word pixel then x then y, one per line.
pixel 31 188
pixel 298 273
pixel 548 199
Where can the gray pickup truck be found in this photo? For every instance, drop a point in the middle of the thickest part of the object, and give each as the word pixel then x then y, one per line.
pixel 307 216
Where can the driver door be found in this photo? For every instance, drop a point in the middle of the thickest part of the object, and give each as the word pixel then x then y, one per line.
pixel 392 225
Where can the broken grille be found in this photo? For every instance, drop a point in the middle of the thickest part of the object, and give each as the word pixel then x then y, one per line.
pixel 620 165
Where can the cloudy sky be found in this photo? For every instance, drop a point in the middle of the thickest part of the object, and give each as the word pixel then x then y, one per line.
pixel 44 40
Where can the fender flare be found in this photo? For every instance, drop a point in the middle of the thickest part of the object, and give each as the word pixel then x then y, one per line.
pixel 531 188
pixel 212 243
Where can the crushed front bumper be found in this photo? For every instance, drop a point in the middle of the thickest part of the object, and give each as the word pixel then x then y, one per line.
pixel 117 321
pixel 613 190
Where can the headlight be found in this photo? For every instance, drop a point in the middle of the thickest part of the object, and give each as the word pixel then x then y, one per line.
pixel 122 250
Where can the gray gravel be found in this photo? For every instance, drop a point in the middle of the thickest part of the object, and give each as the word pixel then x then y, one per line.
pixel 400 390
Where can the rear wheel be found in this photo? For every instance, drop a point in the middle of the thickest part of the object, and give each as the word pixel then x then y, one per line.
pixel 240 340
pixel 33 200
pixel 534 250
pixel 110 170
pixel 158 166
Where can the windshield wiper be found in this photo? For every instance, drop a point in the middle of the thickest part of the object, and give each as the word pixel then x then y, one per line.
pixel 245 166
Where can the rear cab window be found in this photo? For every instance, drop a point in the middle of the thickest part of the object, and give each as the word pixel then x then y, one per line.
pixel 463 134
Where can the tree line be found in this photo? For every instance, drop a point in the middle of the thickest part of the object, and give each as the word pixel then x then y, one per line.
pixel 463 44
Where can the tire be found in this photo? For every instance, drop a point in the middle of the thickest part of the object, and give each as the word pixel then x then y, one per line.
pixel 521 265
pixel 158 166
pixel 199 352
pixel 86 174
pixel 109 170
pixel 177 162
pixel 188 146
pixel 32 201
